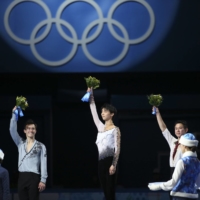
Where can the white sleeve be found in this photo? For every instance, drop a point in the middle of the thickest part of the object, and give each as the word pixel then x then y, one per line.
pixel 168 136
pixel 97 121
pixel 175 178
pixel 43 164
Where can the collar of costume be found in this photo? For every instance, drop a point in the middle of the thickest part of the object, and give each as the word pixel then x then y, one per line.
pixel 189 153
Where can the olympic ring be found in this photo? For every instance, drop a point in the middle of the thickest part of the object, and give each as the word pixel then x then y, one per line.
pixel 114 61
pixel 148 32
pixel 85 39
pixel 95 5
pixel 53 63
pixel 8 29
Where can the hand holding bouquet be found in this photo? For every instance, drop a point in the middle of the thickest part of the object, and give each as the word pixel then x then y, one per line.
pixel 155 100
pixel 92 83
pixel 21 104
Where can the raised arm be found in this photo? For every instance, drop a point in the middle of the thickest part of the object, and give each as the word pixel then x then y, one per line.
pixel 13 129
pixel 97 121
pixel 163 128
pixel 117 136
pixel 160 121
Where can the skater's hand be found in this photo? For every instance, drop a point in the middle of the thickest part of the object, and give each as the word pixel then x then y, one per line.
pixel 112 170
pixel 13 110
pixel 91 94
pixel 41 186
pixel 157 110
pixel 89 90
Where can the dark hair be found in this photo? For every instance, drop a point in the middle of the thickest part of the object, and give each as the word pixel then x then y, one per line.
pixel 1 160
pixel 193 149
pixel 185 125
pixel 110 108
pixel 30 122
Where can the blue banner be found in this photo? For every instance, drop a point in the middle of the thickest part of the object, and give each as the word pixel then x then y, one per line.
pixel 85 35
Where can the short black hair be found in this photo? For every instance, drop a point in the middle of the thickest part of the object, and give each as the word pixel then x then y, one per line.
pixel 185 124
pixel 29 122
pixel 110 108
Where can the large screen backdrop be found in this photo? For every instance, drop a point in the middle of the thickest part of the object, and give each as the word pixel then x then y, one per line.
pixel 98 36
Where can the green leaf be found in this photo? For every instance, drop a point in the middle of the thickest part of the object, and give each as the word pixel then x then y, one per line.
pixel 92 82
pixel 22 102
pixel 155 100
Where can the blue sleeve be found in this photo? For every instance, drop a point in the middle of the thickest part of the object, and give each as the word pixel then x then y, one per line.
pixel 43 164
pixel 13 131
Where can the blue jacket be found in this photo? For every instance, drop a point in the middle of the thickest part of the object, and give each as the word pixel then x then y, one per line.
pixel 4 184
pixel 188 179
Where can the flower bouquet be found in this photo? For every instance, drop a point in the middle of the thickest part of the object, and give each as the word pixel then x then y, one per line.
pixel 93 83
pixel 21 104
pixel 155 100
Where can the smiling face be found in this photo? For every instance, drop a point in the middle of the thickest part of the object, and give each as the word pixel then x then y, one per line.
pixel 106 114
pixel 180 130
pixel 30 130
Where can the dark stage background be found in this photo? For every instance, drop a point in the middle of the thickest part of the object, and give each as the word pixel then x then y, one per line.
pixel 65 123
pixel 67 129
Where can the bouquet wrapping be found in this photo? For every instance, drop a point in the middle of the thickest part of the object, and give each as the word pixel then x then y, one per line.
pixel 21 104
pixel 93 83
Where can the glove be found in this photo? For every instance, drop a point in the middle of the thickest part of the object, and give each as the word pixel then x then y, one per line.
pixel 154 186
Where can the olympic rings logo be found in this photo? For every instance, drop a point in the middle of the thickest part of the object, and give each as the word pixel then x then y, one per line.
pixel 74 40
